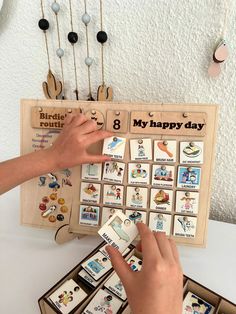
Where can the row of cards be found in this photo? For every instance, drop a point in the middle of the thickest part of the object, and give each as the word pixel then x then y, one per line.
pixel 143 173
pixel 137 197
pixel 160 150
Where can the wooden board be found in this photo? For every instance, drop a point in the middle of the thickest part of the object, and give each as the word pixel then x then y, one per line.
pixel 197 113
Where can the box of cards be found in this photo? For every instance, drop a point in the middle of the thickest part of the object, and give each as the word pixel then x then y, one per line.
pixel 93 287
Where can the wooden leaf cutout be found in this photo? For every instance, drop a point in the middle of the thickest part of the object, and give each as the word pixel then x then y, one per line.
pixel 52 88
pixel 104 93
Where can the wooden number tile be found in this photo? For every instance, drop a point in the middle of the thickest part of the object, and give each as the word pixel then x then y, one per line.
pixel 117 121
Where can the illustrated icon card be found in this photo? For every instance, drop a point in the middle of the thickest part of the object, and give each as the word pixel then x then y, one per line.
pixel 136 197
pixel 164 151
pixel 160 222
pixel 114 283
pixel 91 172
pixel 191 152
pixel 107 213
pixel 141 149
pixel 97 265
pixel 119 231
pixel 161 199
pixel 187 202
pixel 138 173
pixel 68 296
pixel 113 194
pixel 185 226
pixel 103 302
pixel 189 177
pixel 136 215
pixel 114 147
pixel 89 215
pixel 113 171
pixel 89 279
pixel 193 304
pixel 163 175
pixel 90 192
pixel 104 252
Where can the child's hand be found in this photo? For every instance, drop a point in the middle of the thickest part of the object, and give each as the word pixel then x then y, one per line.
pixel 70 148
pixel 158 287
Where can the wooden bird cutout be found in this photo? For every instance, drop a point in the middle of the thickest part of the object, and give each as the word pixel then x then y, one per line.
pixel 104 93
pixel 52 88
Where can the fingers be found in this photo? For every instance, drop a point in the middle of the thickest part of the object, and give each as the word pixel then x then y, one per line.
pixel 120 265
pixel 174 250
pixel 96 159
pixel 78 120
pixel 139 246
pixel 164 246
pixel 149 244
pixel 87 127
pixel 97 136
pixel 69 118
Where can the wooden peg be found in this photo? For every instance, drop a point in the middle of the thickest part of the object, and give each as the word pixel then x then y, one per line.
pixel 52 88
pixel 104 93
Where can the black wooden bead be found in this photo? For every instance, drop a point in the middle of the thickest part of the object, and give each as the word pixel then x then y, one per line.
pixel 72 37
pixel 43 24
pixel 102 37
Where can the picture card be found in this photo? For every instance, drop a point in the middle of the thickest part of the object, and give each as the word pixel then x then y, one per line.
pixel 104 252
pixel 89 279
pixel 67 296
pixel 141 149
pixel 185 226
pixel 119 231
pixel 107 213
pixel 189 177
pixel 160 222
pixel 163 175
pixel 103 302
pixel 136 197
pixel 114 147
pixel 187 202
pixel 165 151
pixel 194 305
pixel 89 215
pixel 113 171
pixel 138 173
pixel 135 263
pixel 161 199
pixel 136 215
pixel 97 265
pixel 113 194
pixel 91 172
pixel 191 152
pixel 90 192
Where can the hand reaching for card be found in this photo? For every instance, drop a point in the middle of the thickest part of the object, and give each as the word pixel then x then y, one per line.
pixel 158 287
pixel 78 133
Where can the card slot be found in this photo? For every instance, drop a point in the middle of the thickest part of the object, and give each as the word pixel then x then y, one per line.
pixel 225 307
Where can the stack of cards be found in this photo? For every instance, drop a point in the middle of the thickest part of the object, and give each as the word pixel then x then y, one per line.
pixel 194 305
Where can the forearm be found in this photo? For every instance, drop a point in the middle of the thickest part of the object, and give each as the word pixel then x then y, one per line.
pixel 18 170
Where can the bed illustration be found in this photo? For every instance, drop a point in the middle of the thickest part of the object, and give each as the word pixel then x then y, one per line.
pixel 116 225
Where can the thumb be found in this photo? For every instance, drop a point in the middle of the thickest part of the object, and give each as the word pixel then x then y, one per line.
pixel 120 265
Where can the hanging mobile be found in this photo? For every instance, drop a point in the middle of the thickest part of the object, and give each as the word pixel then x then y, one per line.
pixel 221 51
pixel 52 88
pixel 88 60
pixel 60 52
pixel 104 93
pixel 73 38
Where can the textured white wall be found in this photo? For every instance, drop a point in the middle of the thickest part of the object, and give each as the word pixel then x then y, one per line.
pixel 157 51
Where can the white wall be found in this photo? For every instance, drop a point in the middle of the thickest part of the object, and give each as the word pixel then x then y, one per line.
pixel 157 51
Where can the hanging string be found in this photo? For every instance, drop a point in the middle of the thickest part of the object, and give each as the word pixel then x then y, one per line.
pixel 44 28
pixel 102 48
pixel 226 10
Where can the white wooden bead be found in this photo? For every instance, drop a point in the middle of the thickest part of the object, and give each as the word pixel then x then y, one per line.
pixel 60 52
pixel 88 61
pixel 86 18
pixel 55 7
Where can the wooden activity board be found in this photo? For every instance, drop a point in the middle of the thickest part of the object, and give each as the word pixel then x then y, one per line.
pixel 160 173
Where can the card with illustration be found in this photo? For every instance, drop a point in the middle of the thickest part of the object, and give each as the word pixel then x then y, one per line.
pixel 165 151
pixel 68 296
pixel 97 265
pixel 185 226
pixel 113 171
pixel 163 175
pixel 138 173
pixel 141 149
pixel 160 222
pixel 113 194
pixel 191 152
pixel 103 302
pixel 104 251
pixel 136 215
pixel 107 213
pixel 89 279
pixel 114 283
pixel 161 199
pixel 136 197
pixel 114 147
pixel 91 172
pixel 187 202
pixel 89 215
pixel 189 177
pixel 90 192
pixel 194 305
pixel 119 231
